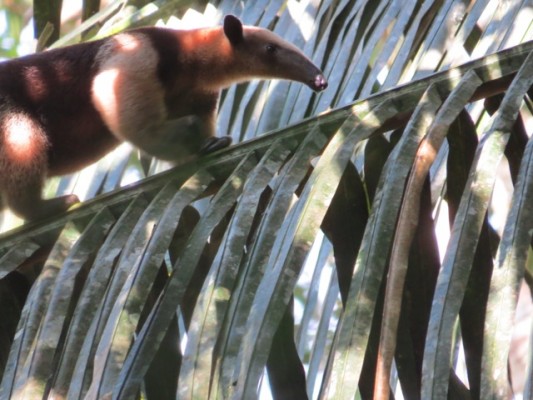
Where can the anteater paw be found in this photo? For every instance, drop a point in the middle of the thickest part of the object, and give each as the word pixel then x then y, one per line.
pixel 215 143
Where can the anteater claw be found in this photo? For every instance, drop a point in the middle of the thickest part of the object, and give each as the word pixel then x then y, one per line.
pixel 215 143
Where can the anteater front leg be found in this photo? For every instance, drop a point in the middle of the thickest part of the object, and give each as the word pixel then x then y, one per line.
pixel 182 139
pixel 135 109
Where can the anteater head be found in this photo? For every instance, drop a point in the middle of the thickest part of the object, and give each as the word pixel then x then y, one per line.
pixel 263 54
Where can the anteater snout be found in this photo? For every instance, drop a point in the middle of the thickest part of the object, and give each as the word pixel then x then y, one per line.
pixel 319 83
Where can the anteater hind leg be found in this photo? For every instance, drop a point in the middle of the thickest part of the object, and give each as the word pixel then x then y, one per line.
pixel 23 168
pixel 28 203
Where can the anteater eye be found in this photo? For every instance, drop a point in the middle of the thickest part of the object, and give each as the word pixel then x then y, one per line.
pixel 270 48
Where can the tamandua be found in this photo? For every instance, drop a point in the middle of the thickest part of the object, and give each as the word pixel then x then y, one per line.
pixel 156 88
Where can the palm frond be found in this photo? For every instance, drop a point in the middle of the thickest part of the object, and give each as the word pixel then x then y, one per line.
pixel 193 274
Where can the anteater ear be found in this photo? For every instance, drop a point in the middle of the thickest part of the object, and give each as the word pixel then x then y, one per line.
pixel 233 29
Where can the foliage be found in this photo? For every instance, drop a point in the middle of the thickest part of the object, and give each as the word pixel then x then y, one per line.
pixel 360 248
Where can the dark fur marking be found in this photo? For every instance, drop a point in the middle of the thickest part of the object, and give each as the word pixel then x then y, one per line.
pixel 48 87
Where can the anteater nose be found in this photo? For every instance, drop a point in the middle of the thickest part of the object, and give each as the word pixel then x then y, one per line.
pixel 320 82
